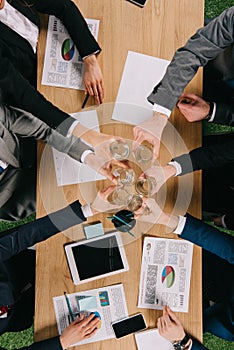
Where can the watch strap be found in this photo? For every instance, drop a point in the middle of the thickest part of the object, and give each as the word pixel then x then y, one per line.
pixel 180 345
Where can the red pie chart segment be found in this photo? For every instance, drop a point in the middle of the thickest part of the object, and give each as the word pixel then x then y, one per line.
pixel 68 49
pixel 168 276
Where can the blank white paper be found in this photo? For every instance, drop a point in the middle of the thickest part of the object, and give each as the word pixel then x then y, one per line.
pixel 152 340
pixel 68 170
pixel 141 73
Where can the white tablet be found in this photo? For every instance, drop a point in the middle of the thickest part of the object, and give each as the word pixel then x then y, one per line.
pixel 95 258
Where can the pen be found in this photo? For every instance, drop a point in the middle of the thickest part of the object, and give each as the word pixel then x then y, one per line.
pixel 85 101
pixel 69 306
pixel 130 233
pixel 121 220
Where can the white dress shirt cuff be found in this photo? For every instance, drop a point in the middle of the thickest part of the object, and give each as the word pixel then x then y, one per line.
pixel 161 109
pixel 85 154
pixel 191 344
pixel 213 113
pixel 87 211
pixel 177 167
pixel 3 164
pixel 94 53
pixel 72 127
pixel 223 221
pixel 180 226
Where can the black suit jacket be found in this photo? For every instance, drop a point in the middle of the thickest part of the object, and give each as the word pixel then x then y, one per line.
pixel 206 157
pixel 18 62
pixel 12 244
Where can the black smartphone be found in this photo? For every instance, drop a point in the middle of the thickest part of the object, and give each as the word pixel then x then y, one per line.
pixel 128 325
pixel 139 2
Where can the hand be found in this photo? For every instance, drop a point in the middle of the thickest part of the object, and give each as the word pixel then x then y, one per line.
pixel 218 221
pixel 104 167
pixel 169 326
pixel 155 214
pixel 78 330
pixel 100 141
pixel 93 80
pixel 193 107
pixel 161 175
pixel 101 204
pixel 150 131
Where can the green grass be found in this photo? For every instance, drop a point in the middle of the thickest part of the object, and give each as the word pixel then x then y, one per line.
pixel 16 340
pixel 214 7
pixel 4 225
pixel 215 343
pixel 211 128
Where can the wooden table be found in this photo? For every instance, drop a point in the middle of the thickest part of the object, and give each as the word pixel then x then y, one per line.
pixel 158 30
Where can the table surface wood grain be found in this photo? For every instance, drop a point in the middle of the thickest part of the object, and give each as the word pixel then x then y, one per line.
pixel 158 29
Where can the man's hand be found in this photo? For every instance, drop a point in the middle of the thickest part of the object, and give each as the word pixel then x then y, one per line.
pixel 99 141
pixel 218 221
pixel 150 131
pixel 160 174
pixel 104 167
pixel 93 80
pixel 169 326
pixel 78 330
pixel 101 204
pixel 193 107
pixel 155 215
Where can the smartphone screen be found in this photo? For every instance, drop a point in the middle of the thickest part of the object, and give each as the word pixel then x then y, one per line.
pixel 139 2
pixel 129 325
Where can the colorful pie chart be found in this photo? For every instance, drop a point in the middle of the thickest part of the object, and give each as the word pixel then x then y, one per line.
pixel 168 276
pixel 98 315
pixel 68 49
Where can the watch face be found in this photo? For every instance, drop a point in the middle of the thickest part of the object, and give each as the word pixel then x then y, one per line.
pixel 178 346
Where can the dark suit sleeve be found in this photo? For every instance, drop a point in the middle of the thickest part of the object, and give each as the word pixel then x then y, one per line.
pixel 197 345
pixel 209 238
pixel 17 91
pixel 207 157
pixel 229 220
pixel 19 238
pixel 49 344
pixel 74 22
pixel 224 114
pixel 202 47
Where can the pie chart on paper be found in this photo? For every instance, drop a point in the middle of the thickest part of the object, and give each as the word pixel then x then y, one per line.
pixel 68 49
pixel 168 276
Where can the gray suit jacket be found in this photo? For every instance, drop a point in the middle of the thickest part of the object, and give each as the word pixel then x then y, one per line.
pixel 204 46
pixel 17 182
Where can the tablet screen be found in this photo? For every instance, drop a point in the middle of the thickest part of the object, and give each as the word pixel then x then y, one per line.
pixel 97 258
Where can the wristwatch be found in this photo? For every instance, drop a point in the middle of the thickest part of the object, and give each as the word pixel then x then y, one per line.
pixel 181 345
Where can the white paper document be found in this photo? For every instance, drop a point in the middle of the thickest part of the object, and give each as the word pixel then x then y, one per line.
pixel 108 303
pixel 68 170
pixel 63 65
pixel 165 274
pixel 141 73
pixel 152 340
